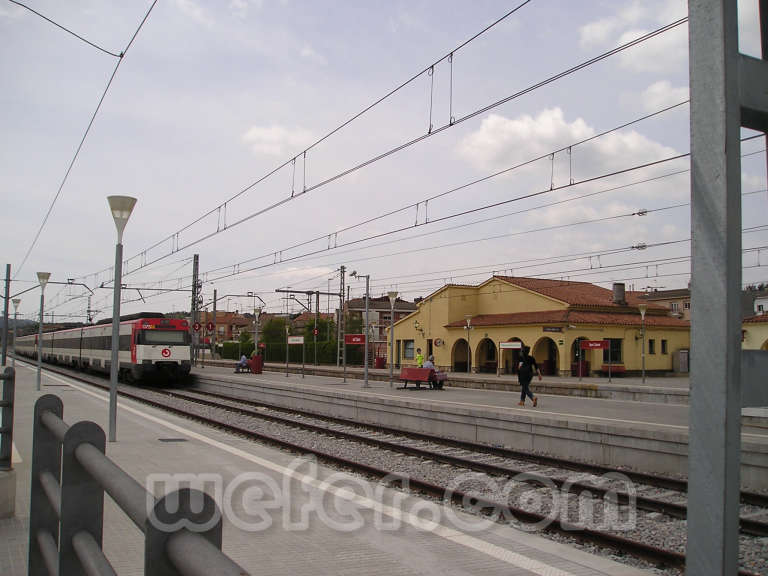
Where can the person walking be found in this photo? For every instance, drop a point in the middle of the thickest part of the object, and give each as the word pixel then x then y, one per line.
pixel 525 371
pixel 419 358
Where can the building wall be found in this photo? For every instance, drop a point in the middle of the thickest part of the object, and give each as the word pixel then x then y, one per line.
pixel 496 297
pixel 755 336
pixel 547 345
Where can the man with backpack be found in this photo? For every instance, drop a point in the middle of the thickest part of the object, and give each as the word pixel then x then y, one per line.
pixel 525 371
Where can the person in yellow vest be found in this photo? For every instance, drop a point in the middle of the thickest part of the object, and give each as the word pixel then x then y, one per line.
pixel 419 358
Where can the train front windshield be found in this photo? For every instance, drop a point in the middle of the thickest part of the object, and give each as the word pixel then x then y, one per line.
pixel 163 337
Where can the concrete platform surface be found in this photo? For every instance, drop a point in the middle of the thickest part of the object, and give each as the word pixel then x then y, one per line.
pixel 282 514
pixel 631 412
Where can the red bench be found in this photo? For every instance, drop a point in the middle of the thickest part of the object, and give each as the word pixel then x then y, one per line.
pixel 419 375
pixel 617 369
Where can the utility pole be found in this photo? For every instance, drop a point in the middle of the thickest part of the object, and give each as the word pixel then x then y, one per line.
pixel 340 325
pixel 5 310
pixel 317 312
pixel 215 327
pixel 193 307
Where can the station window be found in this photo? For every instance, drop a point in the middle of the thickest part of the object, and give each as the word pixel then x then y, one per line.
pixel 408 350
pixel 673 306
pixel 652 346
pixel 664 349
pixel 687 305
pixel 615 356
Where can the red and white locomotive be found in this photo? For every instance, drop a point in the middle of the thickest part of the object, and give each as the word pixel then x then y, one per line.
pixel 150 346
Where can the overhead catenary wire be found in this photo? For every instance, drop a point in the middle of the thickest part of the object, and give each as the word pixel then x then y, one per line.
pixel 82 141
pixel 146 261
pixel 67 30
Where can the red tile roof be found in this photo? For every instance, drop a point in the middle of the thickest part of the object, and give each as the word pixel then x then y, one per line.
pixel 572 317
pixel 577 293
pixel 759 319
pixel 305 317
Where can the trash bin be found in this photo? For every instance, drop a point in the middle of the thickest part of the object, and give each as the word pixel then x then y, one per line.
pixel 379 362
pixel 257 364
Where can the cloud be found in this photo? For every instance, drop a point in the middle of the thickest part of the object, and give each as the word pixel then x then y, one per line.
pixel 749 28
pixel 663 53
pixel 662 94
pixel 193 10
pixel 501 142
pixel 600 32
pixel 308 53
pixel 239 8
pixel 667 52
pixel 11 12
pixel 277 140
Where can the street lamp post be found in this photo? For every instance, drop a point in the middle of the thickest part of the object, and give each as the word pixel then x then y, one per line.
pixel 468 318
pixel 16 302
pixel 642 308
pixel 42 277
pixel 121 208
pixel 392 298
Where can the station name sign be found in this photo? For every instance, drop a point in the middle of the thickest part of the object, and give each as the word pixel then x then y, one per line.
pixel 594 344
pixel 354 338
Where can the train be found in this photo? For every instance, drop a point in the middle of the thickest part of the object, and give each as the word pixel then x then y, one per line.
pixel 152 347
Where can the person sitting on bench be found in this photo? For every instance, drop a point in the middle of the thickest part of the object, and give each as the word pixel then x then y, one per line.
pixel 430 363
pixel 243 364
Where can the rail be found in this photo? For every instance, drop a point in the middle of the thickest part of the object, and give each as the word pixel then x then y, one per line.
pixel 70 474
pixel 8 383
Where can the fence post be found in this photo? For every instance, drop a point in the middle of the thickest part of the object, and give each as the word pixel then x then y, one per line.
pixel 46 456
pixel 82 497
pixel 183 510
pixel 6 405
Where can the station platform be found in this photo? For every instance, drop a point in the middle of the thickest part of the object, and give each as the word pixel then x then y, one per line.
pixel 317 521
pixel 670 389
pixel 646 436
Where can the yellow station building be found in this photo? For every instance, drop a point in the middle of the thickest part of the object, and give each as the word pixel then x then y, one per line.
pixel 754 333
pixel 479 324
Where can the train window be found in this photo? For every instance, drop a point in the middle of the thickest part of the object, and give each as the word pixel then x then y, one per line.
pixel 163 337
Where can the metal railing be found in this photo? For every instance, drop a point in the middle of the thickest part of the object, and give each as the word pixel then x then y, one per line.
pixel 8 384
pixel 70 473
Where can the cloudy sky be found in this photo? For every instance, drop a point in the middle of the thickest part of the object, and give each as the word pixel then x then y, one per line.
pixel 213 101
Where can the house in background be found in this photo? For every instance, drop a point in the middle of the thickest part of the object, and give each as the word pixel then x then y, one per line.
pixel 678 301
pixel 379 318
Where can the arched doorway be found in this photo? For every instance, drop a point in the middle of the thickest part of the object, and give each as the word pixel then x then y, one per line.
pixel 510 359
pixel 460 355
pixel 547 356
pixel 579 355
pixel 485 356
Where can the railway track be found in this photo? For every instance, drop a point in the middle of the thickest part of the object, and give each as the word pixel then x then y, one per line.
pixel 386 440
pixel 673 509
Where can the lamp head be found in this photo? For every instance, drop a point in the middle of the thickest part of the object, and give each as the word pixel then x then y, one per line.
pixel 16 302
pixel 392 296
pixel 468 318
pixel 43 277
pixel 354 274
pixel 642 308
pixel 121 208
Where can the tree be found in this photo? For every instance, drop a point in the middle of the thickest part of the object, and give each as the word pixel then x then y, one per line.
pixel 324 327
pixel 273 331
